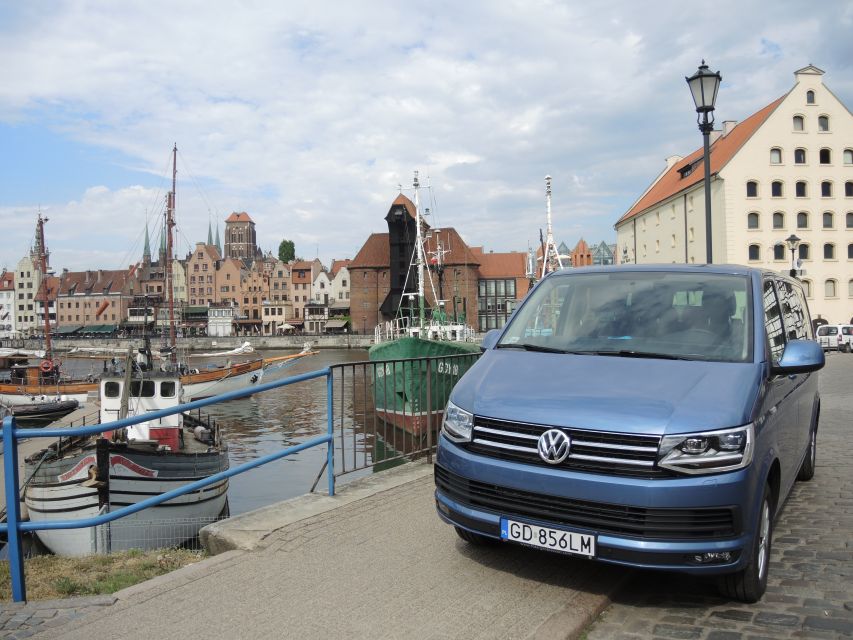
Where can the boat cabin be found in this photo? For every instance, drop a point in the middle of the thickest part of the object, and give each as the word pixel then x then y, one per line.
pixel 151 392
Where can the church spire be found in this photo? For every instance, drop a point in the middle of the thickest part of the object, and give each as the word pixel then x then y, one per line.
pixel 163 246
pixel 209 233
pixel 218 243
pixel 146 252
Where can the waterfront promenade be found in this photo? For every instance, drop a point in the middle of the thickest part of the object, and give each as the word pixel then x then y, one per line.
pixel 375 562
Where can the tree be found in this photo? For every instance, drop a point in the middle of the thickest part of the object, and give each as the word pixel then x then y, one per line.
pixel 286 251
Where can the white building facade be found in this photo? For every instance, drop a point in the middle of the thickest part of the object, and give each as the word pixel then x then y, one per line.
pixel 786 170
pixel 7 304
pixel 27 283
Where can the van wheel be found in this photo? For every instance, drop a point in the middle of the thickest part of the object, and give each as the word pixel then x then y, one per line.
pixel 474 538
pixel 807 469
pixel 749 584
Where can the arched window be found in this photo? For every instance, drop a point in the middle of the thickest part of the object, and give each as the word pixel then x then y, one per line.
pixel 826 189
pixel 848 156
pixel 801 189
pixel 752 220
pixel 799 156
pixel 778 220
pixel 802 220
pixel 798 123
pixel 830 288
pixel 823 123
pixel 754 252
pixel 825 156
pixel 807 287
pixel 848 189
pixel 850 251
pixel 829 251
pixel 779 251
pixel 850 288
pixel 849 219
pixel 776 189
pixel 803 251
pixel 809 97
pixel 751 189
pixel 775 155
pixel 828 219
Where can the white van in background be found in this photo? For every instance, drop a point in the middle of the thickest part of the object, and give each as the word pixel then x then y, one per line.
pixel 836 337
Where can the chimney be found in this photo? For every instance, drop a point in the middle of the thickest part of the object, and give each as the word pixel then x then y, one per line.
pixel 728 126
pixel 715 135
pixel 671 161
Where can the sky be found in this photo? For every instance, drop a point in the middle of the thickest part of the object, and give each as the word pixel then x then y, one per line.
pixel 311 116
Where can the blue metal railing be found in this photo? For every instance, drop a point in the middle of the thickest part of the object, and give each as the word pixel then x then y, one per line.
pixel 11 434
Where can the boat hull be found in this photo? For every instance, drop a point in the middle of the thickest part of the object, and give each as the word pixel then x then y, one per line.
pixel 407 395
pixel 14 395
pixel 63 489
pixel 205 384
pixel 38 414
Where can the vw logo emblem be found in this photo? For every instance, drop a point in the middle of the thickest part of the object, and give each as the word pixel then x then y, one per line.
pixel 554 446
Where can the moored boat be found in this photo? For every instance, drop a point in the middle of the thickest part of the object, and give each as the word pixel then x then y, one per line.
pixel 39 411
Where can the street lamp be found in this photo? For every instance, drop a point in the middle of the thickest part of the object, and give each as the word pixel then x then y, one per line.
pixel 704 86
pixel 793 242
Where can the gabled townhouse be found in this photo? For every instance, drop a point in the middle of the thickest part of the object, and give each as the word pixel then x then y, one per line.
pixel 7 304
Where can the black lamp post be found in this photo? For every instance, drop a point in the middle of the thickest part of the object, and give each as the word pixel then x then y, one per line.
pixel 793 242
pixel 704 86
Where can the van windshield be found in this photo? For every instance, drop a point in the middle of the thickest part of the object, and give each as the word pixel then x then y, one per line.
pixel 827 330
pixel 671 315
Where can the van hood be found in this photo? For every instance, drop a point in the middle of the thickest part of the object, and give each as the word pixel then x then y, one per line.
pixel 609 393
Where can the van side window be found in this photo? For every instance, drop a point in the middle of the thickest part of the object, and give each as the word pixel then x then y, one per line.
pixel 793 315
pixel 773 322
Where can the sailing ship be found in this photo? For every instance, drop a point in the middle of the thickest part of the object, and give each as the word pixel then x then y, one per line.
pixel 78 478
pixel 409 393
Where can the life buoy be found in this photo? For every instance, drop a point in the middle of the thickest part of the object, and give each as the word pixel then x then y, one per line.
pixel 46 366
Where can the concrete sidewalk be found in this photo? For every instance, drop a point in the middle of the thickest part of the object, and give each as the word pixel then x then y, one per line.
pixel 373 562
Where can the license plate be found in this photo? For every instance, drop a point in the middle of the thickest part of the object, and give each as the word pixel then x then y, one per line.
pixel 581 544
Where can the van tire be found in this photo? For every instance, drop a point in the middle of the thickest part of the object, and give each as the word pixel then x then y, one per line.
pixel 474 538
pixel 807 469
pixel 750 583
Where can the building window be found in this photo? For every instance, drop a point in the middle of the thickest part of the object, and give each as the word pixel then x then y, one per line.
pixel 850 288
pixel 778 220
pixel 799 156
pixel 802 220
pixel 850 251
pixel 798 123
pixel 828 219
pixel 848 189
pixel 823 123
pixel 752 221
pixel 809 97
pixel 829 251
pixel 826 156
pixel 803 251
pixel 754 252
pixel 830 288
pixel 776 189
pixel 826 189
pixel 849 220
pixel 779 251
pixel 801 189
pixel 752 189
pixel 775 155
pixel 848 156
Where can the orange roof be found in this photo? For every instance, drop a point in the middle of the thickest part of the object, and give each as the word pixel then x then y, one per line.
pixel 723 149
pixel 375 252
pixel 239 216
pixel 503 265
pixel 7 280
pixel 403 200
pixel 337 265
pixel 458 252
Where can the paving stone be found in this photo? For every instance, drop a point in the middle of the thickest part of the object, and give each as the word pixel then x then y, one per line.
pixel 830 624
pixel 776 619
pixel 724 635
pixel 672 631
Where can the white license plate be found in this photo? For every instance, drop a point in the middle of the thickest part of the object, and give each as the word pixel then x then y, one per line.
pixel 581 544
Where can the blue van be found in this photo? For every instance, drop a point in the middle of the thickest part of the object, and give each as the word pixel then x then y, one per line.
pixel 647 416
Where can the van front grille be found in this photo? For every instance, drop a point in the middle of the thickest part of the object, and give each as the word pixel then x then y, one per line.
pixel 618 454
pixel 601 517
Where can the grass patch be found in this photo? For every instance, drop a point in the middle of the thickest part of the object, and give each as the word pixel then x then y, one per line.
pixel 51 577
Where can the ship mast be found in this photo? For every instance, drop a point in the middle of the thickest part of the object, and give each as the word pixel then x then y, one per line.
pixel 550 257
pixel 420 249
pixel 43 289
pixel 170 224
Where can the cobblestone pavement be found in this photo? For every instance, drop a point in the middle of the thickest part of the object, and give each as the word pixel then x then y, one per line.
pixel 810 586
pixel 22 620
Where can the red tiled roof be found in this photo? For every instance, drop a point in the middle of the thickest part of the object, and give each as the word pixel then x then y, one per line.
pixel 459 252
pixel 375 253
pixel 7 280
pixel 99 282
pixel 337 265
pixel 403 200
pixel 239 216
pixel 503 265
pixel 723 149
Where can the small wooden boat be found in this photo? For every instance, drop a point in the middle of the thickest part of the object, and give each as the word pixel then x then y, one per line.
pixel 40 411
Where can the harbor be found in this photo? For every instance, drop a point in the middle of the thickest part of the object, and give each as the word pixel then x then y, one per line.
pixel 375 562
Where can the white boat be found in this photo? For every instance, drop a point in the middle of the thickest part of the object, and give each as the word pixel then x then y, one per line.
pixel 83 477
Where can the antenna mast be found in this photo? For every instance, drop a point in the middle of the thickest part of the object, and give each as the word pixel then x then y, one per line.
pixel 420 249
pixel 43 289
pixel 550 257
pixel 170 224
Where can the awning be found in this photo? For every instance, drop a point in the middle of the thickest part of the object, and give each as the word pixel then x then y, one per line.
pixel 285 326
pixel 67 329
pixel 99 328
pixel 336 324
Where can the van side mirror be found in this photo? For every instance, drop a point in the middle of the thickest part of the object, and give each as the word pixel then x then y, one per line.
pixel 491 339
pixel 800 356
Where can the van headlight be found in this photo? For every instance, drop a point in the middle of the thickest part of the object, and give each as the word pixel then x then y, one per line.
pixel 457 424
pixel 707 451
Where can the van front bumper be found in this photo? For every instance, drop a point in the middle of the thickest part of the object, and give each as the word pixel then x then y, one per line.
pixel 663 523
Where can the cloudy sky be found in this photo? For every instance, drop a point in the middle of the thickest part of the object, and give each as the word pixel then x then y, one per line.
pixel 308 115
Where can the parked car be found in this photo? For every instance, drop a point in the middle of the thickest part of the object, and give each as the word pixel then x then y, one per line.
pixel 647 416
pixel 834 337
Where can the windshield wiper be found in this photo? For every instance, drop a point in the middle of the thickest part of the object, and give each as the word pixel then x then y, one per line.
pixel 531 347
pixel 628 353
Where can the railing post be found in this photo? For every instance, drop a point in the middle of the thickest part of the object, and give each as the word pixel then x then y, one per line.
pixel 330 459
pixel 429 409
pixel 13 511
